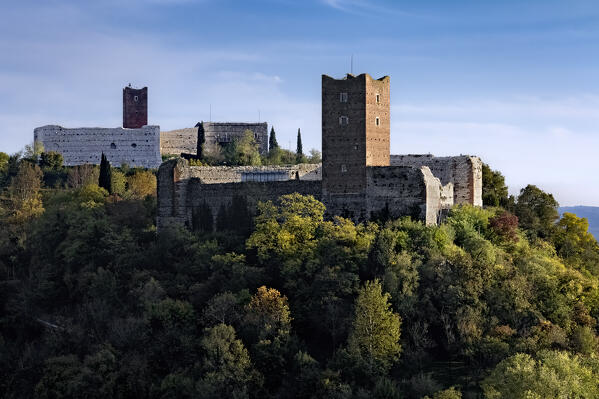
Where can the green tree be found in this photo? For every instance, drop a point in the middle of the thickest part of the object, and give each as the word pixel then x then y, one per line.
pixel 201 140
pixel 24 192
pixel 141 184
pixel 243 151
pixel 268 311
pixel 227 369
pixel 376 328
pixel 552 375
pixel 273 145
pixel 50 160
pixel 118 182
pixel 536 211
pixel 299 151
pixel 575 244
pixel 105 178
pixel 315 156
pixel 495 191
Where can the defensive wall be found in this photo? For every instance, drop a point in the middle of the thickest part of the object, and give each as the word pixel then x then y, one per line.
pixel 135 147
pixel 182 189
pixel 464 171
pixel 395 190
pixel 176 142
pixel 216 134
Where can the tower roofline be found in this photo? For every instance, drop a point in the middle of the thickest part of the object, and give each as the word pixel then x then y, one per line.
pixel 350 76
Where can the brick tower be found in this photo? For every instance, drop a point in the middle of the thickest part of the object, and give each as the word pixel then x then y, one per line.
pixel 135 107
pixel 355 134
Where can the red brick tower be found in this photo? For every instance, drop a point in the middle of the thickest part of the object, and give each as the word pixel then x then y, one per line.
pixel 135 107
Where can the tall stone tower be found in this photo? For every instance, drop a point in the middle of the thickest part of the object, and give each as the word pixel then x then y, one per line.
pixel 355 134
pixel 135 107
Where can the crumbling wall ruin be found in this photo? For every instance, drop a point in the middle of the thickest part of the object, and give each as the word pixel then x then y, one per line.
pixel 464 172
pixel 404 190
pixel 136 147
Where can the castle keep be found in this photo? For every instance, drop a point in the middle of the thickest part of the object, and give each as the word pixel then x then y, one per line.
pixel 135 144
pixel 359 178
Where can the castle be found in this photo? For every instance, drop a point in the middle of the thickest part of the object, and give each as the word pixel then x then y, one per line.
pixel 137 143
pixel 358 177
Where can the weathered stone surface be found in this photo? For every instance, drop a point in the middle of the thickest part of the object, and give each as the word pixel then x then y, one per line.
pixel 351 137
pixel 176 142
pixel 405 190
pixel 464 171
pixel 358 178
pixel 216 134
pixel 135 147
pixel 183 189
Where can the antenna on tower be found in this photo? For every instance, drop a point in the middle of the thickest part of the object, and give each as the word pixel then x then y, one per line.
pixel 210 113
pixel 258 114
pixel 351 65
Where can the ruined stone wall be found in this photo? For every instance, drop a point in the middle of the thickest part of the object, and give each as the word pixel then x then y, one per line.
pixel 182 188
pixel 465 172
pixel 135 147
pixel 176 142
pixel 216 135
pixel 238 174
pixel 406 191
pixel 222 133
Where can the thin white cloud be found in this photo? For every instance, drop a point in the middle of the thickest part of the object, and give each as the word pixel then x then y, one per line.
pixel 363 7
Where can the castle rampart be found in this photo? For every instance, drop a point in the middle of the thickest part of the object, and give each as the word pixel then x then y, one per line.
pixel 179 141
pixel 216 135
pixel 464 171
pixel 135 147
pixel 182 189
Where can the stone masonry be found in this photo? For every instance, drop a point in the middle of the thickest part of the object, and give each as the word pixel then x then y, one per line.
pixel 358 179
pixel 135 147
pixel 183 188
pixel 464 171
pixel 216 135
pixel 135 107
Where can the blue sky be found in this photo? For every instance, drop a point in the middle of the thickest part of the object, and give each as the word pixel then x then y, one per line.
pixel 515 82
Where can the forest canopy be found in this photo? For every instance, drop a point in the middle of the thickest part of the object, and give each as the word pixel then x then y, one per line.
pixel 496 302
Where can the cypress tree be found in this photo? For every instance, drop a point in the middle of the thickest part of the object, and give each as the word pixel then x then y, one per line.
pixel 201 140
pixel 105 180
pixel 299 152
pixel 272 140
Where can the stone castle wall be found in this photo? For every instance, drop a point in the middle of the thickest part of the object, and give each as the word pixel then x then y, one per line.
pixel 221 133
pixel 135 147
pixel 176 142
pixel 400 190
pixel 405 190
pixel 216 134
pixel 183 189
pixel 465 172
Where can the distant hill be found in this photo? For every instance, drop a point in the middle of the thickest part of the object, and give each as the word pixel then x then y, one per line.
pixel 589 212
